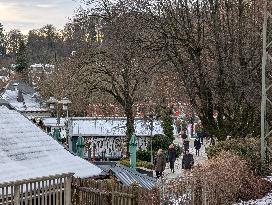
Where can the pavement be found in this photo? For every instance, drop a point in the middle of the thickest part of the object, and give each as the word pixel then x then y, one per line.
pixel 168 175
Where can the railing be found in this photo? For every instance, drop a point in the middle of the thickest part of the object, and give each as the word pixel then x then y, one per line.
pixel 51 190
pixel 108 192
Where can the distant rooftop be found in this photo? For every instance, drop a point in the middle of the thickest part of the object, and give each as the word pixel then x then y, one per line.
pixel 30 100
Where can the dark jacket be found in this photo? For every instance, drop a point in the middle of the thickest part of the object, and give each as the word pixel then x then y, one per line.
pixel 172 154
pixel 184 136
pixel 197 144
pixel 187 161
pixel 160 163
pixel 186 144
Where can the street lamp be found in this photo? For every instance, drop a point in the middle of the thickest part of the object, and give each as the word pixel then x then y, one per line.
pixel 65 102
pixel 151 118
pixel 54 105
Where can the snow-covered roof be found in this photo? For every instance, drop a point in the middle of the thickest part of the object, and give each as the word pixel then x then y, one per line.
pixel 41 66
pixel 53 122
pixel 31 100
pixel 112 127
pixel 28 152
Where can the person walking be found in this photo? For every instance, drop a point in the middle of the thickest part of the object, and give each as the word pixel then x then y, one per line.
pixel 197 145
pixel 160 163
pixel 186 141
pixel 212 140
pixel 187 162
pixel 172 157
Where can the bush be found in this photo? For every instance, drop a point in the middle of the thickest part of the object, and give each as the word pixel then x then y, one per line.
pixel 160 142
pixel 227 178
pixel 139 163
pixel 248 149
pixel 143 155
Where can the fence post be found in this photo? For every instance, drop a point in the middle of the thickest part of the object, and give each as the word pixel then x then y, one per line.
pixel 17 194
pixel 112 193
pixel 135 188
pixel 68 190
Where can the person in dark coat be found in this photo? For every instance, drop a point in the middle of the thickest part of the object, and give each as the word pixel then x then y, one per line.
pixel 160 163
pixel 212 140
pixel 186 143
pixel 187 162
pixel 172 157
pixel 200 135
pixel 197 145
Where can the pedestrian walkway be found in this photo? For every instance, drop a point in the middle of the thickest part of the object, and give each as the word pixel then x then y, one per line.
pixel 168 175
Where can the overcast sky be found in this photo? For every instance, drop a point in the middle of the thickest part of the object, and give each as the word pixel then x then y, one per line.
pixel 30 14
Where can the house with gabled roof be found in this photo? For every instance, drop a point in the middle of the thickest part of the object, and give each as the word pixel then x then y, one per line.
pixel 26 151
pixel 25 99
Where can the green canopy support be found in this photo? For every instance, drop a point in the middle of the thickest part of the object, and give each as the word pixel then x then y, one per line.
pixel 56 135
pixel 80 146
pixel 132 151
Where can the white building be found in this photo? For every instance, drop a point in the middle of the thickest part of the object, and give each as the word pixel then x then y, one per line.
pixel 109 134
pixel 26 151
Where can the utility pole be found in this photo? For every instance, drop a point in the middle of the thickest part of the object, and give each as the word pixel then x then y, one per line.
pixel 266 131
pixel 151 136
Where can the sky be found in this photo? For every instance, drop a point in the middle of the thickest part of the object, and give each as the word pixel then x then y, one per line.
pixel 32 14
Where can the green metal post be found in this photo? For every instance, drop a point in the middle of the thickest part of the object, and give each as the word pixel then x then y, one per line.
pixel 56 135
pixel 132 151
pixel 80 146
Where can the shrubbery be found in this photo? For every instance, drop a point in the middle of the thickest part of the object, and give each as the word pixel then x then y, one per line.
pixel 227 178
pixel 248 149
pixel 143 155
pixel 139 163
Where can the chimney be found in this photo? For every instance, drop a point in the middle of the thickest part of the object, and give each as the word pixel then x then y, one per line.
pixel 20 97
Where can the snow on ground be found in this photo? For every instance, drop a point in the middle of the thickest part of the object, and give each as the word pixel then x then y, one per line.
pixel 266 200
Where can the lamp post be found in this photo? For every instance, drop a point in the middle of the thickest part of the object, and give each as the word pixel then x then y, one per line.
pixel 151 118
pixel 54 106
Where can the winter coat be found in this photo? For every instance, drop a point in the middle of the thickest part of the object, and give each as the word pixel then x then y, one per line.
pixel 172 154
pixel 197 144
pixel 184 136
pixel 187 161
pixel 186 144
pixel 160 163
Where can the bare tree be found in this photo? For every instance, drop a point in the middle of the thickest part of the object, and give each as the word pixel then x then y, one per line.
pixel 215 47
pixel 119 65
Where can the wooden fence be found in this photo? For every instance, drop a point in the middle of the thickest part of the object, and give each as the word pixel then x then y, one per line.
pixel 51 190
pixel 107 192
pixel 191 191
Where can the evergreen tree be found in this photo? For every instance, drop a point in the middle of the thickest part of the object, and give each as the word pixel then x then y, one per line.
pixel 167 123
pixel 21 58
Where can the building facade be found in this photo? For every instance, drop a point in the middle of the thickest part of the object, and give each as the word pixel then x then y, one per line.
pixel 107 135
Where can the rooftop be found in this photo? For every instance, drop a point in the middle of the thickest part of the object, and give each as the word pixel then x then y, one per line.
pixel 108 126
pixel 30 100
pixel 126 175
pixel 28 152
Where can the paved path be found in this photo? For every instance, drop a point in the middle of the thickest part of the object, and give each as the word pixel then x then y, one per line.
pixel 168 175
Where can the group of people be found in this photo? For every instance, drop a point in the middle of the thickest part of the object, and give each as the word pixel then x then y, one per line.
pixel 187 160
pixel 160 161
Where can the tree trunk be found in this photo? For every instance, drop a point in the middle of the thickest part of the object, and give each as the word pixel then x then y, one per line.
pixel 129 124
